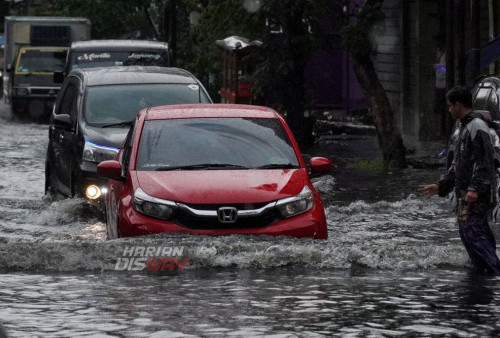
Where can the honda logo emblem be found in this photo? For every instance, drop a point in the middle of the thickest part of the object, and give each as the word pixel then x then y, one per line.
pixel 227 214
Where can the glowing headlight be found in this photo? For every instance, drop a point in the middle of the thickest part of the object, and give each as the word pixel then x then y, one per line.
pixel 298 204
pixel 93 192
pixel 152 206
pixel 93 152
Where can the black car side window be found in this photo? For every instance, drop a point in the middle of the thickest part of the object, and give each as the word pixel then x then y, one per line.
pixel 127 150
pixel 68 104
pixel 75 94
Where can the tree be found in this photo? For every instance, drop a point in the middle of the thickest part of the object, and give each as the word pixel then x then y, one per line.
pixel 128 15
pixel 356 39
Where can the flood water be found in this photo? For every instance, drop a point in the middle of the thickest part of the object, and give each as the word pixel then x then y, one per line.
pixel 393 266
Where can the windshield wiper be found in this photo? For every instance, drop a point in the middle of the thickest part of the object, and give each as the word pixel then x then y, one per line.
pixel 202 166
pixel 278 166
pixel 118 124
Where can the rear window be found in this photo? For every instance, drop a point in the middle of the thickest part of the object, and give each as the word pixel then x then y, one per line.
pixel 110 59
pixel 112 104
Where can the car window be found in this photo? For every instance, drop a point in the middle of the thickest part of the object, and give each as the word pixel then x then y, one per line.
pixel 247 142
pixel 120 103
pixel 69 101
pixel 127 149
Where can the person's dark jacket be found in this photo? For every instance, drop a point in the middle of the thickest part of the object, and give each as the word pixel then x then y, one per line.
pixel 473 167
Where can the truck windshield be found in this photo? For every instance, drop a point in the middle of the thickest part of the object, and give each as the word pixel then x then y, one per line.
pixel 41 61
pixel 113 104
pixel 110 59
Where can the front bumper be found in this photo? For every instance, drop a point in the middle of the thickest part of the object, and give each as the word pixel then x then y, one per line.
pixel 311 224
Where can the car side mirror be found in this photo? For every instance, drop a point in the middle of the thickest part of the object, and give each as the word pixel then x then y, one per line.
pixel 62 121
pixel 320 165
pixel 110 169
pixel 58 77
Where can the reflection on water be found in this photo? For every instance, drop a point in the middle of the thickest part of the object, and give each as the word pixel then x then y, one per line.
pixel 290 302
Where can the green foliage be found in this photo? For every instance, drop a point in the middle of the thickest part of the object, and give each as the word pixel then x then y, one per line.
pixel 110 19
pixel 197 50
pixel 289 29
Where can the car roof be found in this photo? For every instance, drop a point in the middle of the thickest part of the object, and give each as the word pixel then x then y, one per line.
pixel 134 74
pixel 187 111
pixel 110 45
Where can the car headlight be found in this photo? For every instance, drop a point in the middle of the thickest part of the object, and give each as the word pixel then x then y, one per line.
pixel 93 152
pixel 297 204
pixel 21 91
pixel 152 206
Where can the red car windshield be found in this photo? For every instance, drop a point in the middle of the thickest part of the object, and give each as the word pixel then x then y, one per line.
pixel 216 143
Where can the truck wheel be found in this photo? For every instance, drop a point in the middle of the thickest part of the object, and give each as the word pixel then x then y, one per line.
pixel 16 109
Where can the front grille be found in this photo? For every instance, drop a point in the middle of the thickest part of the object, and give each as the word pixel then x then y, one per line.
pixel 241 206
pixel 188 220
pixel 44 91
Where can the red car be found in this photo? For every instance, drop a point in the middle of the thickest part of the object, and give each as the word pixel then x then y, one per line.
pixel 212 170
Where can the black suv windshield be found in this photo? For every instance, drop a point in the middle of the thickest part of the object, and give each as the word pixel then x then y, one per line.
pixel 113 104
pixel 110 59
pixel 215 143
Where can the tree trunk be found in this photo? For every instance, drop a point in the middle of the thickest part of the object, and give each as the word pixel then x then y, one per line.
pixel 389 136
pixel 356 39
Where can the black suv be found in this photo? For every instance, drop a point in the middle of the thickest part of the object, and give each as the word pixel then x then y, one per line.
pixel 93 113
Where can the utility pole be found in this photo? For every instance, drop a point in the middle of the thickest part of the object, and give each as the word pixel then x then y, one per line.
pixel 170 27
pixel 475 41
pixel 459 24
pixel 450 57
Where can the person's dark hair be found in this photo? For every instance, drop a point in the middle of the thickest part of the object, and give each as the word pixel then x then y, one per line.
pixel 460 94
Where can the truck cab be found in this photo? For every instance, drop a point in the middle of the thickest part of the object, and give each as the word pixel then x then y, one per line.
pixel 32 86
pixel 36 48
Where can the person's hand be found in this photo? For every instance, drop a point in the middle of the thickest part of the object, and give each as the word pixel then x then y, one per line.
pixel 427 190
pixel 471 197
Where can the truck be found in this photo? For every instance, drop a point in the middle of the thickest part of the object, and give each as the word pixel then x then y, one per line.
pixel 36 47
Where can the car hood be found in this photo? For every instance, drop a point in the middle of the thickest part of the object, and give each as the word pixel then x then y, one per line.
pixel 223 186
pixel 111 137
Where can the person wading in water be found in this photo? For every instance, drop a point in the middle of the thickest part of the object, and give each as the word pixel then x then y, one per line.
pixel 472 174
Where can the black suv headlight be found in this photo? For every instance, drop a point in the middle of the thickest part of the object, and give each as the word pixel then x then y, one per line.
pixel 94 152
pixel 152 206
pixel 22 91
pixel 297 204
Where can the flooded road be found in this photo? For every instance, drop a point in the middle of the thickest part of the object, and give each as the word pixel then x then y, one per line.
pixel 393 266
